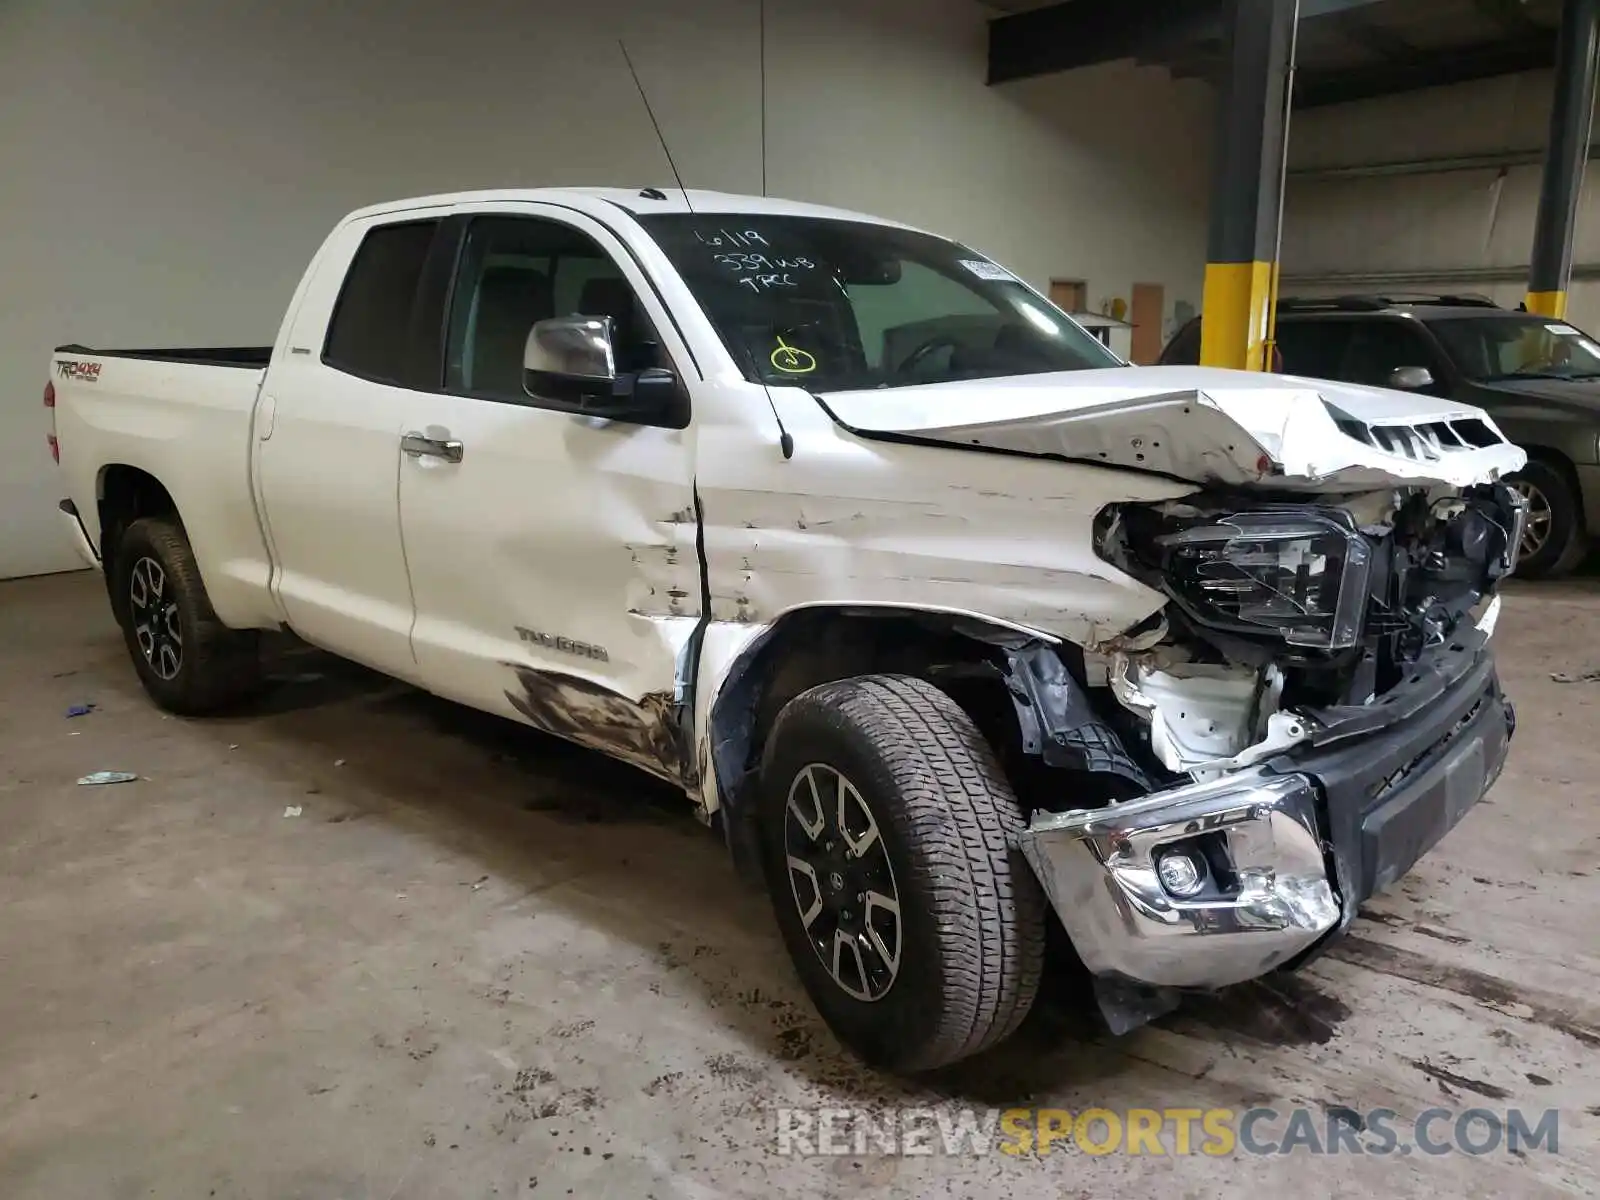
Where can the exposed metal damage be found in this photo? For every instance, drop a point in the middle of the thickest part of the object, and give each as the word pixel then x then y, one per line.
pixel 645 732
pixel 1212 427
pixel 1292 628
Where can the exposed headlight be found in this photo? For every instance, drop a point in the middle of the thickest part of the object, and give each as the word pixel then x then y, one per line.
pixel 1300 575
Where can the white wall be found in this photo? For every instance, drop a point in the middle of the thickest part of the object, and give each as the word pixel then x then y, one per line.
pixel 166 166
pixel 1422 224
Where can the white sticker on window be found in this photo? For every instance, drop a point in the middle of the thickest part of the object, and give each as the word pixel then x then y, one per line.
pixel 984 269
pixel 1564 331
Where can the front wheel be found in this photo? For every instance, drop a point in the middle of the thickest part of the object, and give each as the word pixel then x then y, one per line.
pixel 889 832
pixel 189 662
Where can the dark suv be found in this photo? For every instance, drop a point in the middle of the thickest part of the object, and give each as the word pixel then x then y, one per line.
pixel 1538 378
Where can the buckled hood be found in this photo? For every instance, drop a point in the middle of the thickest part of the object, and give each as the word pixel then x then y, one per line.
pixel 1210 426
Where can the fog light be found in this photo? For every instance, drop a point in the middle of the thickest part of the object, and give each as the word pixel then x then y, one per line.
pixel 1181 873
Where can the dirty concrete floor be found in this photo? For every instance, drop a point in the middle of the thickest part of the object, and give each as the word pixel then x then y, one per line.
pixel 479 963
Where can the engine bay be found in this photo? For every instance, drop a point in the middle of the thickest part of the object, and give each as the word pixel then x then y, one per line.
pixel 1280 608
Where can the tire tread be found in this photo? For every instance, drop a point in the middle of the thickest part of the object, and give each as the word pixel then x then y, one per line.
pixel 963 818
pixel 222 666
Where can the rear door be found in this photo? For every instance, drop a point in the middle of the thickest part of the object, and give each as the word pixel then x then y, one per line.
pixel 552 555
pixel 335 406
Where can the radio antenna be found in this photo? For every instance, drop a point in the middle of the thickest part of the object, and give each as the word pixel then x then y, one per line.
pixel 763 60
pixel 651 113
pixel 785 440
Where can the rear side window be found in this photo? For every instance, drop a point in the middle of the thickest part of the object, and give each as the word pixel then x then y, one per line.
pixel 1313 348
pixel 371 323
pixel 1378 348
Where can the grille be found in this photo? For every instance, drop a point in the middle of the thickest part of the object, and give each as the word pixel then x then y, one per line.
pixel 1384 787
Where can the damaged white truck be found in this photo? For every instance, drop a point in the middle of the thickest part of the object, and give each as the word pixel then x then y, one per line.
pixel 943 615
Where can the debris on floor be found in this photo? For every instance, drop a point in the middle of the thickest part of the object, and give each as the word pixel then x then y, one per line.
pixel 1586 677
pixel 95 778
pixel 293 810
pixel 80 710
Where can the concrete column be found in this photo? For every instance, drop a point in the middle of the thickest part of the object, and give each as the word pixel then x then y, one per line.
pixel 1247 184
pixel 1571 115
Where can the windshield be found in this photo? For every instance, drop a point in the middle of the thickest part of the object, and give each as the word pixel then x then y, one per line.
pixel 838 305
pixel 1515 346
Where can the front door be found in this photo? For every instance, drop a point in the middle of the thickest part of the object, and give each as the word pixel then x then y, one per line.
pixel 552 556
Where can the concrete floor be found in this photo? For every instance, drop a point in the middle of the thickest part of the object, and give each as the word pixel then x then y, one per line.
pixel 480 963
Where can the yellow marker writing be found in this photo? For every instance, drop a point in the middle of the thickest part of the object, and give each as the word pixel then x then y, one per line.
pixel 791 361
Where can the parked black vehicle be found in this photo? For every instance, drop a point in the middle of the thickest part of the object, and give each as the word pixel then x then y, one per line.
pixel 1538 378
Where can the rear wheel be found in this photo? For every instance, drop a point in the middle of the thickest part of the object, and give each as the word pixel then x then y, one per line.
pixel 1553 541
pixel 188 661
pixel 889 832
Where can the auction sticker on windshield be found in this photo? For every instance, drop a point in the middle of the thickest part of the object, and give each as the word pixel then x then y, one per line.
pixel 986 270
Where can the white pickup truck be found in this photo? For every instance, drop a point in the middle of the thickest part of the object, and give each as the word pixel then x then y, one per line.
pixel 944 615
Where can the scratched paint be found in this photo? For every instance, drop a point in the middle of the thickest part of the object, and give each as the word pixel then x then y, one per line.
pixel 642 732
pixel 1006 557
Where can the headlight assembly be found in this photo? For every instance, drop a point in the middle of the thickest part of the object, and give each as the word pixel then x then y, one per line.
pixel 1301 575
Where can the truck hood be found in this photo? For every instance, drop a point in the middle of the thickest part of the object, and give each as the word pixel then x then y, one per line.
pixel 1574 397
pixel 1236 428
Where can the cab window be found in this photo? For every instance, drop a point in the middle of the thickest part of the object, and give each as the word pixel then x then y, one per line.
pixel 516 271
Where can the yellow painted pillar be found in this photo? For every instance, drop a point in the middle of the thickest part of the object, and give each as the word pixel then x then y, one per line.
pixel 1246 186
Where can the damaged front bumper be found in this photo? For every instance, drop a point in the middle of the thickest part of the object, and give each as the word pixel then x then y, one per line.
pixel 1288 848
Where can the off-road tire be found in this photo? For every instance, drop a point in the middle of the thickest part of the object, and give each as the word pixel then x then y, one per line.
pixel 219 667
pixel 973 933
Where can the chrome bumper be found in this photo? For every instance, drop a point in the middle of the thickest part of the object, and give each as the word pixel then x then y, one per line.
pixel 1099 869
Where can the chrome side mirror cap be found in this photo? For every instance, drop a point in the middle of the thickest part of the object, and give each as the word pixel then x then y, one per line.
pixel 570 364
pixel 570 351
pixel 1410 379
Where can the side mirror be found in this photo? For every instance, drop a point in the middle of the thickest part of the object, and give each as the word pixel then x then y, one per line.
pixel 569 355
pixel 1410 379
pixel 570 362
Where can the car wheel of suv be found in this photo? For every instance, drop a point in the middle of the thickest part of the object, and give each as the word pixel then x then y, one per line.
pixel 889 838
pixel 1553 541
pixel 189 662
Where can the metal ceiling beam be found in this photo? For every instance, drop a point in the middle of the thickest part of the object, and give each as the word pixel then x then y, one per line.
pixel 1493 161
pixel 1069 35
pixel 1385 43
pixel 1510 15
pixel 1080 33
pixel 1316 88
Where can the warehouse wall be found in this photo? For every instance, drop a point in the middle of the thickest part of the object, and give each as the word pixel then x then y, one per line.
pixel 1466 231
pixel 167 166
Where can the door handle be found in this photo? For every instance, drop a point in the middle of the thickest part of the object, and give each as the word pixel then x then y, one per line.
pixel 418 445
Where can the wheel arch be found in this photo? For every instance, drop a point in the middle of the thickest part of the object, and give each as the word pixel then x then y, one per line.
pixel 813 645
pixel 1564 465
pixel 123 494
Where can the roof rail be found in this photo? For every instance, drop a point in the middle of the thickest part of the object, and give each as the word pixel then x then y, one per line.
pixel 1374 303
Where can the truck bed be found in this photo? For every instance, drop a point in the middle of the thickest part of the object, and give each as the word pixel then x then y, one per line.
pixel 247 357
pixel 182 417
